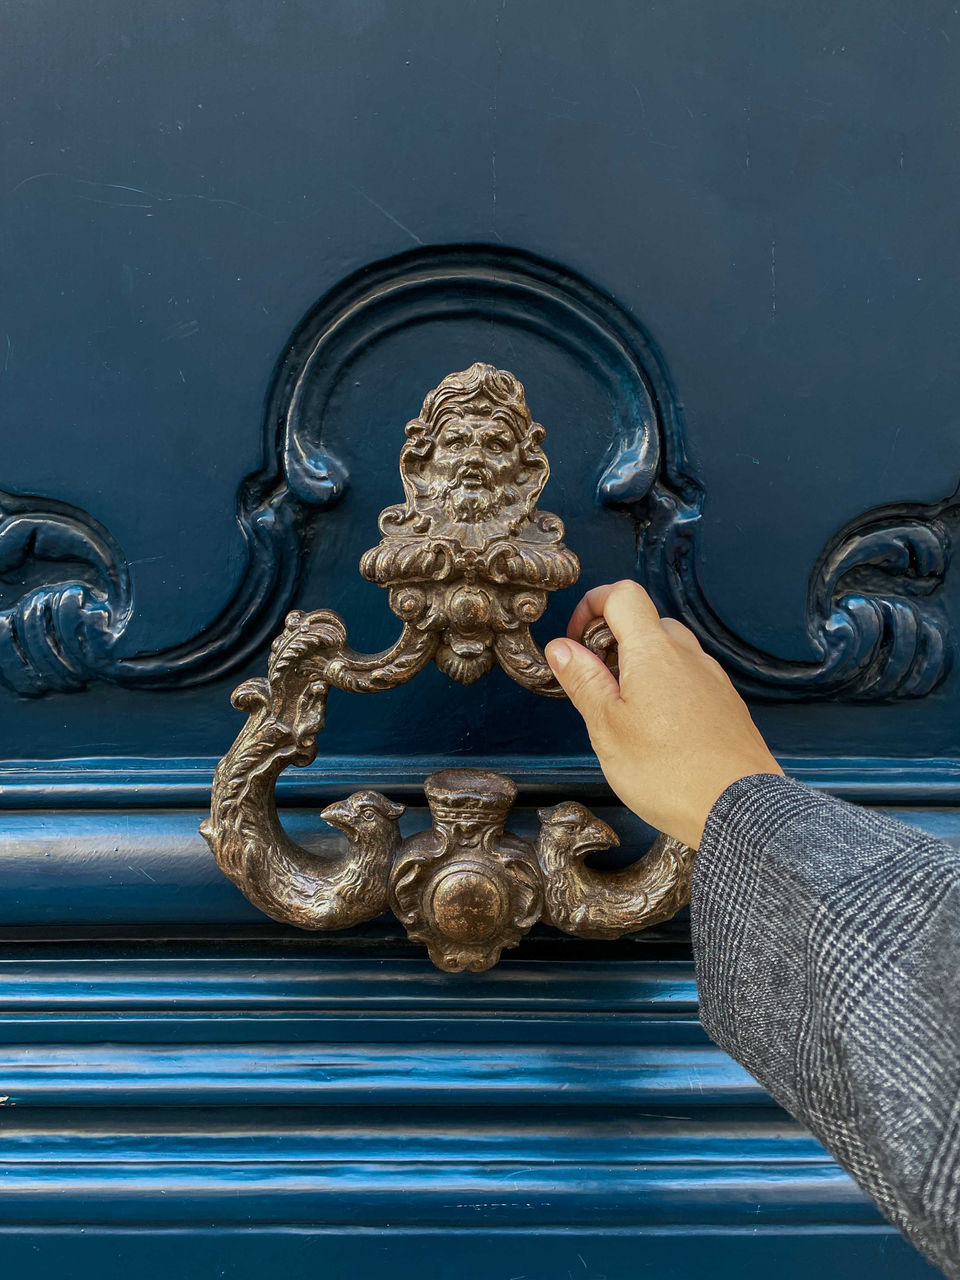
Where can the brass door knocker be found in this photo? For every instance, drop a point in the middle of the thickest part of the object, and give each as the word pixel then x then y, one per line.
pixel 468 560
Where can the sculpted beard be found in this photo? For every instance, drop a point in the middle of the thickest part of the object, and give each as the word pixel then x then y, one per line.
pixel 471 504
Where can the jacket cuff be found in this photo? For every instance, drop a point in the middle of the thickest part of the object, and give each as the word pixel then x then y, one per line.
pixel 744 830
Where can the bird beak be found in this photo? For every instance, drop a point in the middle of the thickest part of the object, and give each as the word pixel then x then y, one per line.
pixel 337 814
pixel 597 835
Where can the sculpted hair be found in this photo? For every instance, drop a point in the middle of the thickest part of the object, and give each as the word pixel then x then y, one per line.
pixel 497 394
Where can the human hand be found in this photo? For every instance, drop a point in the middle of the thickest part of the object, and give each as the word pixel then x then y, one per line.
pixel 673 734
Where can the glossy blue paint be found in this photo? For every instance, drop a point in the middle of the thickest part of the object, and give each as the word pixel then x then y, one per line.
pixel 158 277
pixel 114 867
pixel 470 1253
pixel 555 1107
pixel 710 238
pixel 177 1083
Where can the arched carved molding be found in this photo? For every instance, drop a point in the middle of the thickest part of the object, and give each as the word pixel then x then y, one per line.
pixel 871 615
pixel 66 629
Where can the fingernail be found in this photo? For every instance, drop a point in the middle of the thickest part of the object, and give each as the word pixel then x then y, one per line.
pixel 558 654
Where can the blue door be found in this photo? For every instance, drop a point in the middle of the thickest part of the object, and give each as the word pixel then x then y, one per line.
pixel 715 240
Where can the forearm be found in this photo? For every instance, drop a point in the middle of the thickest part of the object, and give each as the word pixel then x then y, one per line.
pixel 827 943
pixel 827 939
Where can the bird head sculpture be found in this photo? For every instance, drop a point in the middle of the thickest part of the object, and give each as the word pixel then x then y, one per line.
pixel 355 887
pixel 366 817
pixel 606 904
pixel 570 832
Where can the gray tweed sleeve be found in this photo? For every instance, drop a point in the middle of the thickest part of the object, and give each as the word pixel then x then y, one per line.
pixel 827 949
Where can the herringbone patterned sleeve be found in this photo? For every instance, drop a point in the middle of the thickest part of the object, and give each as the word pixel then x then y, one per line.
pixel 827 947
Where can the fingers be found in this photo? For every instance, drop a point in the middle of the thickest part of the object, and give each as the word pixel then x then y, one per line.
pixel 590 607
pixel 681 634
pixel 587 682
pixel 717 670
pixel 625 605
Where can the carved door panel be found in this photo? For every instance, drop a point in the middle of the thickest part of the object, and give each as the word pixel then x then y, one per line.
pixel 241 244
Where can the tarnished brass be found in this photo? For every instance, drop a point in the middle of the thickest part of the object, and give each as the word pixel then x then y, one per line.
pixel 468 560
pixel 466 887
pixel 467 557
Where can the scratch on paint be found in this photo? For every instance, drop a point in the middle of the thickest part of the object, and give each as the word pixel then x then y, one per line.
pixel 386 213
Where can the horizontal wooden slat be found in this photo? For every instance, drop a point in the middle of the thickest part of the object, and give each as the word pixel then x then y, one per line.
pixel 60 978
pixel 324 1074
pixel 398 1192
pixel 430 1166
pixel 152 867
pixel 468 1250
pixel 149 782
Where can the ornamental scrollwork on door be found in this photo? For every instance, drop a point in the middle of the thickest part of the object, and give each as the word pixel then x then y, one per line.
pixel 468 560
pixel 874 626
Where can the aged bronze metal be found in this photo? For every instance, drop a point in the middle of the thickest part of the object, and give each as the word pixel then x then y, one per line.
pixel 465 887
pixel 468 560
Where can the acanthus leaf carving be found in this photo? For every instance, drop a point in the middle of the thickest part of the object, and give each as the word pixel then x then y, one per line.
pixel 871 618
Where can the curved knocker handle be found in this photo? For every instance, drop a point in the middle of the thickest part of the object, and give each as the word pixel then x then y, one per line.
pixel 599 639
pixel 468 560
pixel 525 662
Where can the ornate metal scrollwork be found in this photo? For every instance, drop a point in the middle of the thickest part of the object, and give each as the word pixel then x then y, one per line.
pixel 468 560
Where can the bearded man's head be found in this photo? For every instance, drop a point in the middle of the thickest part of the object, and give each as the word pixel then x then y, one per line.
pixel 474 450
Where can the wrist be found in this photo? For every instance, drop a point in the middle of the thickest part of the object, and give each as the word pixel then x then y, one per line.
pixel 720 784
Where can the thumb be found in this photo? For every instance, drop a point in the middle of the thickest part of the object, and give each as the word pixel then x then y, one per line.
pixel 588 683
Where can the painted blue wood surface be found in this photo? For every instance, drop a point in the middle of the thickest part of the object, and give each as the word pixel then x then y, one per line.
pixel 765 193
pixel 175 1084
pixel 757 187
pixel 168 1099
pixel 468 1254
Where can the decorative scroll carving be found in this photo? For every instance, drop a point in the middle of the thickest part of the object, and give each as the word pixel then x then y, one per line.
pixel 871 617
pixel 54 632
pixel 874 626
pixel 468 560
pixel 67 626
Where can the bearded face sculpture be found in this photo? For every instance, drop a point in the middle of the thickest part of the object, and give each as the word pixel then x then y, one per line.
pixel 475 463
pixel 468 554
pixel 472 467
